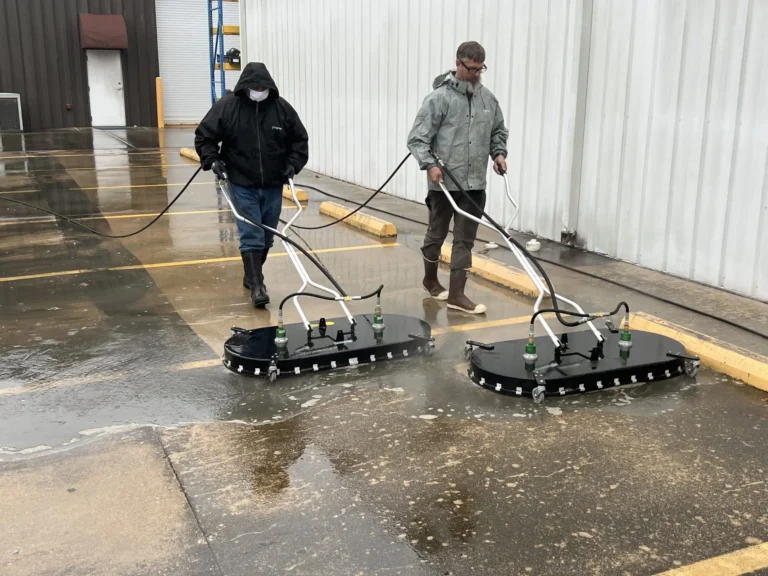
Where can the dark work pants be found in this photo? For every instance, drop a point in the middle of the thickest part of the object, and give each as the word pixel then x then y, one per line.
pixel 464 229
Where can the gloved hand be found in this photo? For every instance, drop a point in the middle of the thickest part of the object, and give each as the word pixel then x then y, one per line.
pixel 289 172
pixel 219 169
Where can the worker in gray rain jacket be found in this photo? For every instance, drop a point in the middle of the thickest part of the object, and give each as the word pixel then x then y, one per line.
pixel 462 121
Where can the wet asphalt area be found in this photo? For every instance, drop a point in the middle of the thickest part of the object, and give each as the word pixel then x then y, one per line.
pixel 127 448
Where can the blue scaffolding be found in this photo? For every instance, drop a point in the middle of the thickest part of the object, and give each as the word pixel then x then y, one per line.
pixel 218 60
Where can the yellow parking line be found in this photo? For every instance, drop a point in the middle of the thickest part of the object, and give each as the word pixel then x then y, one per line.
pixel 732 564
pixel 122 216
pixel 105 169
pixel 124 187
pixel 116 154
pixel 127 186
pixel 199 364
pixel 183 263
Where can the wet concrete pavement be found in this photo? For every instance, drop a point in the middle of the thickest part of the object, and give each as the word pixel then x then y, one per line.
pixel 111 392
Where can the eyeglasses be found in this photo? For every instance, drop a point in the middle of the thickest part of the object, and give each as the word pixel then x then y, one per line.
pixel 473 69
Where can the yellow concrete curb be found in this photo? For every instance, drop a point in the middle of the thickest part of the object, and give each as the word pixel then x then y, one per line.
pixel 190 154
pixel 742 365
pixel 301 195
pixel 495 272
pixel 370 224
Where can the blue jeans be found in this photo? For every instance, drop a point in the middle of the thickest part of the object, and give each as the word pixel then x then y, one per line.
pixel 260 205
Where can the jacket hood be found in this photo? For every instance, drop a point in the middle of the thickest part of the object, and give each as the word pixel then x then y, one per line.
pixel 256 74
pixel 450 79
pixel 442 79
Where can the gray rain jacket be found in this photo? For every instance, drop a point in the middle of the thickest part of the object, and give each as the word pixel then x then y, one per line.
pixel 463 131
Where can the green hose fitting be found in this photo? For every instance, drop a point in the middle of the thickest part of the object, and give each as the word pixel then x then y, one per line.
pixel 530 355
pixel 624 353
pixel 378 317
pixel 281 339
pixel 625 338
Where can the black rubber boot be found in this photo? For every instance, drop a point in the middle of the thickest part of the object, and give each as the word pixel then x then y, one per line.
pixel 431 283
pixel 254 278
pixel 263 260
pixel 246 283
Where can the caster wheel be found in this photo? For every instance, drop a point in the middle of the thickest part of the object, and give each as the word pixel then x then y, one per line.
pixel 467 351
pixel 429 350
pixel 692 368
pixel 538 394
pixel 272 374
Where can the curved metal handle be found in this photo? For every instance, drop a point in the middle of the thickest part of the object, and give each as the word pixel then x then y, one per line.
pixel 512 200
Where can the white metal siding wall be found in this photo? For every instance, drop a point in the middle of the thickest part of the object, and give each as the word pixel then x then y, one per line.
pixel 182 41
pixel 358 70
pixel 676 139
pixel 674 161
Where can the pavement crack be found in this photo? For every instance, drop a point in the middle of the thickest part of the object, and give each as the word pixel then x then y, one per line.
pixel 219 570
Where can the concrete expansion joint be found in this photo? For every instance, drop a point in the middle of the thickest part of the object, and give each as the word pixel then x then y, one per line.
pixel 200 527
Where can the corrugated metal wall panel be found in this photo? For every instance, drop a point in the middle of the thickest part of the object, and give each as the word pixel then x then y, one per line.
pixel 357 72
pixel 676 139
pixel 672 167
pixel 182 38
pixel 43 62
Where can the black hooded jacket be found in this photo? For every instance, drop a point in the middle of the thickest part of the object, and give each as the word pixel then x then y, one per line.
pixel 258 139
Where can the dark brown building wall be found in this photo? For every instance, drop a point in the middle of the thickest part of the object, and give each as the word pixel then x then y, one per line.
pixel 41 59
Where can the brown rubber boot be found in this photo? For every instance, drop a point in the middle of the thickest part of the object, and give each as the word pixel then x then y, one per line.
pixel 456 298
pixel 431 283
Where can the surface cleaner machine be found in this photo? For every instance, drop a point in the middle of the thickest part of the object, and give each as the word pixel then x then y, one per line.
pixel 574 361
pixel 326 344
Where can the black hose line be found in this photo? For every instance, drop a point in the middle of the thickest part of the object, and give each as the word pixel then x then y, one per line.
pixel 361 206
pixel 522 248
pixel 585 316
pixel 376 292
pixel 308 294
pixel 91 230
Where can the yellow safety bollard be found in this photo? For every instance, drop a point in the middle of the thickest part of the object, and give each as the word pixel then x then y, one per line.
pixel 159 95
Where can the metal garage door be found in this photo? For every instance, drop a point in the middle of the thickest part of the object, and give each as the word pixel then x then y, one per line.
pixel 182 41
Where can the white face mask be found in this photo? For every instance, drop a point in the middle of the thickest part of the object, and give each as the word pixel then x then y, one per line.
pixel 257 96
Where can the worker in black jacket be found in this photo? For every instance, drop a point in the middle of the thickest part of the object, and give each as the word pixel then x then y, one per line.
pixel 263 144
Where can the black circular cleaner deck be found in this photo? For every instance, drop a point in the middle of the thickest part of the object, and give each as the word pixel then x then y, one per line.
pixel 582 367
pixel 254 352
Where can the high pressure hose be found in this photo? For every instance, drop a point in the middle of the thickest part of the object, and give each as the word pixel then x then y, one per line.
pixel 91 230
pixel 361 206
pixel 376 292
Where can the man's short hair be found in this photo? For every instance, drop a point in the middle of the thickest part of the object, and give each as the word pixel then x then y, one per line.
pixel 471 51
